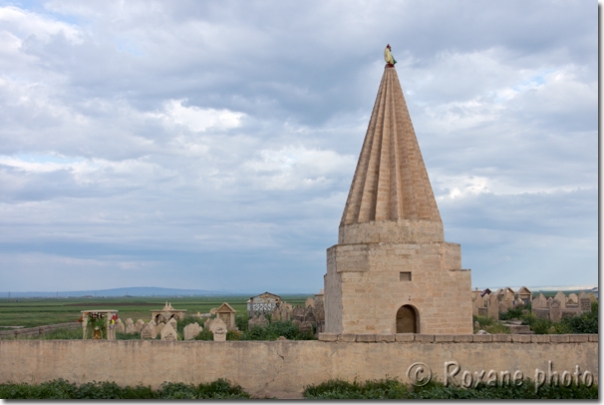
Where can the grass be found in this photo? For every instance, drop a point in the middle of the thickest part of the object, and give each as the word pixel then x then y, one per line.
pixel 62 389
pixel 31 312
pixel 393 389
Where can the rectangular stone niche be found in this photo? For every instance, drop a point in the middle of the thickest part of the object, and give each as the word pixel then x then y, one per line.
pixel 405 276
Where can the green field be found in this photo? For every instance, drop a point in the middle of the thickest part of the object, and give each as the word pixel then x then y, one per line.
pixel 30 312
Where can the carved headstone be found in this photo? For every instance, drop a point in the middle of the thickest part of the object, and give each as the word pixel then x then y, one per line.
pixel 159 327
pixel 139 325
pixel 539 302
pixel 130 327
pixel 173 323
pixel 276 315
pixel 493 307
pixel 191 330
pixel 585 304
pixel 298 313
pixel 168 332
pixel 119 326
pixel 309 315
pixel 305 327
pixel 572 299
pixel 561 299
pixel 148 332
pixel 555 310
pixel 219 330
pixel 310 302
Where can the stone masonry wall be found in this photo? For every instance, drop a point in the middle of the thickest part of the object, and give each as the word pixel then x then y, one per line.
pixel 284 368
pixel 363 290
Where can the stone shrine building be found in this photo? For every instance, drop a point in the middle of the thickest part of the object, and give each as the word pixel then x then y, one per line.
pixel 392 271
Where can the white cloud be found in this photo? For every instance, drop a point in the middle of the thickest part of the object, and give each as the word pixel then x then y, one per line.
pixel 198 119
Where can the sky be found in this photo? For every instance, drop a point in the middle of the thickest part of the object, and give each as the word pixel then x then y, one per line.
pixel 211 145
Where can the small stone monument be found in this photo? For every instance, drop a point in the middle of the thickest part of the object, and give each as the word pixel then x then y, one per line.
pixel 219 330
pixel 130 327
pixel 148 331
pixel 168 332
pixel 191 330
pixel 139 325
pixel 555 311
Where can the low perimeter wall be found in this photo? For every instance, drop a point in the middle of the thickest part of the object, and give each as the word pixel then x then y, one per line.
pixel 283 368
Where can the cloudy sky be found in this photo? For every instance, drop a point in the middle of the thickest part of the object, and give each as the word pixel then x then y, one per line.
pixel 211 145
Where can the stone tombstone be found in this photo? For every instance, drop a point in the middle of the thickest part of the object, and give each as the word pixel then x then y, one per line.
pixel 148 332
pixel 310 302
pixel 173 323
pixel 309 315
pixel 305 327
pixel 159 327
pixel 573 299
pixel 130 328
pixel 219 330
pixel 191 330
pixel 286 313
pixel 139 325
pixel 561 299
pixel 592 297
pixel 119 326
pixel 539 302
pixel 585 304
pixel 483 311
pixel 541 313
pixel 493 307
pixel 570 312
pixel 168 332
pixel 276 315
pixel 478 302
pixel 298 313
pixel 503 307
pixel 555 310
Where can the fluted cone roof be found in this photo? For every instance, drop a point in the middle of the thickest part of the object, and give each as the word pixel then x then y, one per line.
pixel 390 182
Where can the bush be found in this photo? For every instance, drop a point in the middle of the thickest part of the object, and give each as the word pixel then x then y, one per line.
pixel 392 389
pixel 62 389
pixel 275 329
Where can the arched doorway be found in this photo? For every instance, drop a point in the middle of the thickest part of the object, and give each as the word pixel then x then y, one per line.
pixel 407 320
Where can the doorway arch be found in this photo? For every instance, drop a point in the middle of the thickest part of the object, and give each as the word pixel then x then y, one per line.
pixel 407 320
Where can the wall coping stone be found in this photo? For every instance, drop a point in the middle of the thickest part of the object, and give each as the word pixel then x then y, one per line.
pixel 405 337
pixel 427 338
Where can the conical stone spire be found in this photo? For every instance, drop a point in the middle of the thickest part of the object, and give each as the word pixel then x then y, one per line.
pixel 390 199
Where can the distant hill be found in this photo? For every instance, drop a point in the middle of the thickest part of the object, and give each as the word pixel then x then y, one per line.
pixel 121 292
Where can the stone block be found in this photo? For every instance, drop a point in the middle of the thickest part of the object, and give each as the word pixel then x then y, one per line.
pixel 559 338
pixel 424 338
pixel 328 337
pixel 384 337
pixel 593 337
pixel 518 338
pixel 482 338
pixel 540 338
pixel 347 337
pixel 366 338
pixel 504 337
pixel 578 338
pixel 444 338
pixel 463 338
pixel 405 337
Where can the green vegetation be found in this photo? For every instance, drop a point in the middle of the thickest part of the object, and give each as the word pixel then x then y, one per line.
pixel 30 312
pixel 62 389
pixel 392 389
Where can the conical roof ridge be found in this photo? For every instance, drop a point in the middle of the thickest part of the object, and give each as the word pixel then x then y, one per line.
pixel 391 184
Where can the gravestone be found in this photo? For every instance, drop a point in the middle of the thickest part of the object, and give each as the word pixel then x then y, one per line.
pixel 219 330
pixel 478 302
pixel 172 322
pixel 130 327
pixel 493 307
pixel 585 304
pixel 503 308
pixel 592 297
pixel 148 332
pixel 561 298
pixel 286 314
pixel 309 315
pixel 139 325
pixel 298 313
pixel 168 332
pixel 483 311
pixel 119 326
pixel 573 299
pixel 555 311
pixel 159 327
pixel 191 330
pixel 310 302
pixel 539 302
pixel 276 315
pixel 541 313
pixel 305 327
